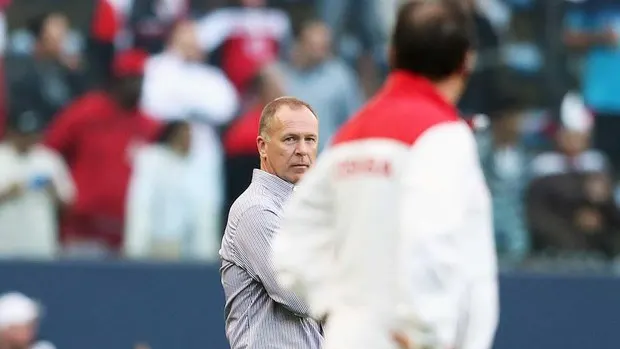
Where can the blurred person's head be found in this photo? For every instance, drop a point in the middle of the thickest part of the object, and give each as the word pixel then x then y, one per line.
pixel 288 138
pixel 127 76
pixel 269 84
pixel 50 31
pixel 25 127
pixel 177 135
pixel 313 44
pixel 573 135
pixel 507 120
pixel 184 41
pixel 435 40
pixel 18 321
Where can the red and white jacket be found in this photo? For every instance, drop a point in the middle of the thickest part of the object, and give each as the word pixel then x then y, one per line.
pixel 394 224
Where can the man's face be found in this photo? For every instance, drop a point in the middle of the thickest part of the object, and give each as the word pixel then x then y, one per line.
pixel 290 147
pixel 572 143
pixel 185 39
pixel 20 336
pixel 54 34
pixel 315 42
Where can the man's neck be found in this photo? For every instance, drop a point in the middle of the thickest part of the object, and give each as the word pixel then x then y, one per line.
pixel 450 89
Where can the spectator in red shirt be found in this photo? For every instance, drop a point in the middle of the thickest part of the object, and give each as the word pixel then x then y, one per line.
pixel 98 135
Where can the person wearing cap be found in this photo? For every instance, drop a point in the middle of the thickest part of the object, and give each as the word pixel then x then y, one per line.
pixel 570 204
pixel 19 316
pixel 98 135
pixel 34 183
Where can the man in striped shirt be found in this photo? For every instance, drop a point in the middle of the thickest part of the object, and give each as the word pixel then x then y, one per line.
pixel 259 313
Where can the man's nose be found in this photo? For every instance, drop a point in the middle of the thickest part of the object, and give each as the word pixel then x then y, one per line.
pixel 302 148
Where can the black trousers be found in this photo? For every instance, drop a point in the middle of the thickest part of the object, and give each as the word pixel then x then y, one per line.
pixel 607 137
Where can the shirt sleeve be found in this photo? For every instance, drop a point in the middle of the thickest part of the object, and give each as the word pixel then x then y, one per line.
pixel 253 246
pixel 62 134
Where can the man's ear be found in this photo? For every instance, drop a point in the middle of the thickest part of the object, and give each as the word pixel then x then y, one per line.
pixel 471 59
pixel 261 144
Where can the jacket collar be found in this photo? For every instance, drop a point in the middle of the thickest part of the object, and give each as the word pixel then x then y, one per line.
pixel 403 82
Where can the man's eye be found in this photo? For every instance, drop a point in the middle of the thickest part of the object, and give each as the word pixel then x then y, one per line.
pixel 289 139
pixel 311 140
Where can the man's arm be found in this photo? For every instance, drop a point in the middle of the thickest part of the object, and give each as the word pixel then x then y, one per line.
pixel 252 246
pixel 451 252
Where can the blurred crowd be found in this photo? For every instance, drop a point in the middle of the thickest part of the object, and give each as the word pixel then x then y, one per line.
pixel 131 136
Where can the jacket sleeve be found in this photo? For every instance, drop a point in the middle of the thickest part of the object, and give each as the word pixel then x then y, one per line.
pixel 252 247
pixel 451 254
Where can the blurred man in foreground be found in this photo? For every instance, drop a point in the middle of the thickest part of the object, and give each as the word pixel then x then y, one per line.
pixel 259 313
pixel 98 135
pixel 390 235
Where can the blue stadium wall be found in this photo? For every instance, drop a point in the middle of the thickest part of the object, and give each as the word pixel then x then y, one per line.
pixel 116 305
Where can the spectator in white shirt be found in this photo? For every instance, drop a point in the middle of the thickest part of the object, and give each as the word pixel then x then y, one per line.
pixel 176 84
pixel 34 183
pixel 164 216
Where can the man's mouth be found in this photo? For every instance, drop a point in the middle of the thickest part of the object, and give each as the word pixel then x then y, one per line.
pixel 301 166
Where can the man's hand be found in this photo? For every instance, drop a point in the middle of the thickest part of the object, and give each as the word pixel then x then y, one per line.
pixel 401 340
pixel 589 220
pixel 12 192
pixel 598 188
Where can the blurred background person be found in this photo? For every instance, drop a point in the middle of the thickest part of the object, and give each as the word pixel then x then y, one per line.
pixel 315 75
pixel 47 78
pixel 244 38
pixel 164 215
pixel 483 82
pixel 570 200
pixel 119 25
pixel 239 139
pixel 505 161
pixel 592 28
pixel 98 135
pixel 365 44
pixel 34 184
pixel 19 317
pixel 177 84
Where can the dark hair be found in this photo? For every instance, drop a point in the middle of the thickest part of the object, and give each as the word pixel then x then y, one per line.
pixel 432 38
pixel 169 130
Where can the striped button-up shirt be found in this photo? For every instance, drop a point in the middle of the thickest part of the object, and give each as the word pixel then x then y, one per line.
pixel 259 313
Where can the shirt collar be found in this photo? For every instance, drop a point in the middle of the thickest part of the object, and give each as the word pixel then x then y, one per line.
pixel 400 81
pixel 275 184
